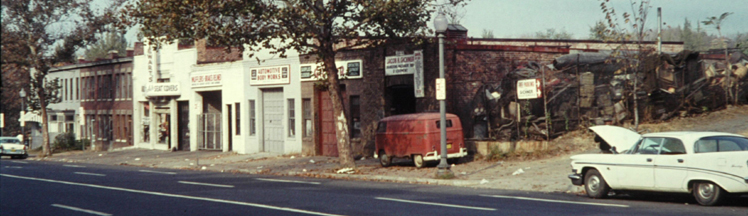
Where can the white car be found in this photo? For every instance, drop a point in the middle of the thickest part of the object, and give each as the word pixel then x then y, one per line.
pixel 12 147
pixel 710 165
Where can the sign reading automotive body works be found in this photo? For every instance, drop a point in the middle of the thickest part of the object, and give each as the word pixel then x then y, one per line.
pixel 206 79
pixel 270 75
pixel 399 65
pixel 529 89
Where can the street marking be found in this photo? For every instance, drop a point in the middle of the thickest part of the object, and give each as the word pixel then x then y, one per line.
pixel 21 162
pixel 67 165
pixel 151 171
pixel 172 195
pixel 206 184
pixel 555 201
pixel 14 167
pixel 81 210
pixel 287 181
pixel 93 174
pixel 436 204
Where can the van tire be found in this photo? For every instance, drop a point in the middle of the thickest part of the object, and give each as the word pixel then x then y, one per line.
pixel 384 159
pixel 418 161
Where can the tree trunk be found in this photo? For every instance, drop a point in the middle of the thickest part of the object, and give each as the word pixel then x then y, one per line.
pixel 46 150
pixel 345 154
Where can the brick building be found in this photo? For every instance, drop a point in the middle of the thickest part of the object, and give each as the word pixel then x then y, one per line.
pixel 471 64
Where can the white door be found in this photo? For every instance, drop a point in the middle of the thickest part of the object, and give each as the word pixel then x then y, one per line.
pixel 671 166
pixel 636 170
pixel 272 121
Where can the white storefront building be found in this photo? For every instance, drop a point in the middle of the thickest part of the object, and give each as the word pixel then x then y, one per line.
pixel 242 106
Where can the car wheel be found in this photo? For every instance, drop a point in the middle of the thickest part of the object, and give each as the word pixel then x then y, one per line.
pixel 25 156
pixel 13 157
pixel 595 185
pixel 453 160
pixel 707 193
pixel 384 159
pixel 418 160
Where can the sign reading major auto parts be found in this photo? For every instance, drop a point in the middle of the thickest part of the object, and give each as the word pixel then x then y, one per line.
pixel 529 89
pixel 270 75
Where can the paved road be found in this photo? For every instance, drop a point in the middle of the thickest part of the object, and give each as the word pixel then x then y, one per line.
pixel 50 188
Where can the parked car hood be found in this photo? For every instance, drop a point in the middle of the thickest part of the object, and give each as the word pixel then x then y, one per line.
pixel 618 137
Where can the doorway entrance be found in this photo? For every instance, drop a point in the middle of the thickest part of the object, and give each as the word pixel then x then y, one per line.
pixel 209 122
pixel 183 110
pixel 402 99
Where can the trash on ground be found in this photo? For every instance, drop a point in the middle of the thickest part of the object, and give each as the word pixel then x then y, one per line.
pixel 311 161
pixel 137 159
pixel 519 171
pixel 483 181
pixel 346 170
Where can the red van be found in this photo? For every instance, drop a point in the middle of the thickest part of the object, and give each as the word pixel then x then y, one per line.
pixel 417 136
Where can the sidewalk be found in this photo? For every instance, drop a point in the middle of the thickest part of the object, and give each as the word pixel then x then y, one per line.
pixel 547 175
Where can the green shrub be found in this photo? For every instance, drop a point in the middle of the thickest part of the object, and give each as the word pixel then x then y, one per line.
pixel 495 154
pixel 67 142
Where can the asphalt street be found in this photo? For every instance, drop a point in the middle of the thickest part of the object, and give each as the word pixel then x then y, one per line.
pixel 50 188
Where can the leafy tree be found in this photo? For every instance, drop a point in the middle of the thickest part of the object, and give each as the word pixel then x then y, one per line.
pixel 599 31
pixel 487 33
pixel 40 35
pixel 318 27
pixel 553 35
pixel 108 42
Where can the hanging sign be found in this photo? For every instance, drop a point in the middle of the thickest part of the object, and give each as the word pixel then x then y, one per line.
pixel 529 89
pixel 399 65
pixel 418 86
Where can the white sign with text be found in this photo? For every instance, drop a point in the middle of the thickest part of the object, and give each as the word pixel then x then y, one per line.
pixel 529 89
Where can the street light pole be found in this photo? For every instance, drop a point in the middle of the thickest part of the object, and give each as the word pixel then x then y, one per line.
pixel 440 24
pixel 22 93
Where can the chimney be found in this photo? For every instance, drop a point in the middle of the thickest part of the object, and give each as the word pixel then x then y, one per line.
pixel 81 59
pixel 113 54
pixel 130 52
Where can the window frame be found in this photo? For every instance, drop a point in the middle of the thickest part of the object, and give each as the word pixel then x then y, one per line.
pixel 252 118
pixel 291 107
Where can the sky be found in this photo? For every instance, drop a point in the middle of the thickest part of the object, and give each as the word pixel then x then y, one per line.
pixel 516 18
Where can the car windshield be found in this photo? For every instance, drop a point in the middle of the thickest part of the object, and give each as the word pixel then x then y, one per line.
pixel 15 141
pixel 721 144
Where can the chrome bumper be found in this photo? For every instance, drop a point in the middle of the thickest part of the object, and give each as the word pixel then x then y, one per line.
pixel 432 156
pixel 576 179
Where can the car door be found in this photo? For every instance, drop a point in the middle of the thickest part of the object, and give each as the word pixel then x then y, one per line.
pixel 636 169
pixel 671 166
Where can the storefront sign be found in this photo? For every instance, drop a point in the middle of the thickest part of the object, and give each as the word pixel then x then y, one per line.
pixel 441 89
pixel 418 86
pixel 270 75
pixel 152 57
pixel 399 65
pixel 161 89
pixel 206 79
pixel 529 89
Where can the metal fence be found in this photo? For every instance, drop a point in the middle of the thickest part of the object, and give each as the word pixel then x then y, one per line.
pixel 209 131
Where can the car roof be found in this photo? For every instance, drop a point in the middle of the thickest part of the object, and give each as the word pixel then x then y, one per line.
pixel 691 135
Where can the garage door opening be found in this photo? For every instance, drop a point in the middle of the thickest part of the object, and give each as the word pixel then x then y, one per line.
pixel 402 99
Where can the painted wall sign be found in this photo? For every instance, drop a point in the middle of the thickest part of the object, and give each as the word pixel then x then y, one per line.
pixel 441 89
pixel 206 79
pixel 161 89
pixel 418 79
pixel 399 65
pixel 529 89
pixel 270 75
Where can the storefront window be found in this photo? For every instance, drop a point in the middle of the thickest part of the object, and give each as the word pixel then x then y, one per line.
pixel 291 118
pixel 238 117
pixel 163 128
pixel 146 122
pixel 355 116
pixel 252 117
pixel 306 105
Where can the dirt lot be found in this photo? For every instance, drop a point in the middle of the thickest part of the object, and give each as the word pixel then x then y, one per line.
pixel 548 170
